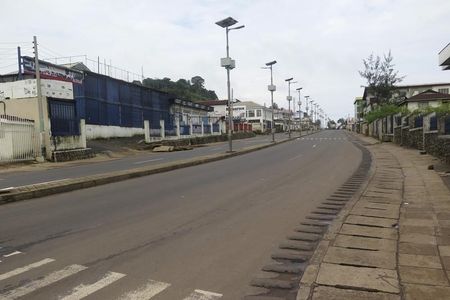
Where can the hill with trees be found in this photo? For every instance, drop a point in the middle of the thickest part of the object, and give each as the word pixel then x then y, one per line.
pixel 193 90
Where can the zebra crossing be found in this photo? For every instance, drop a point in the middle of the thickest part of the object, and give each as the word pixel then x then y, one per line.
pixel 323 139
pixel 25 288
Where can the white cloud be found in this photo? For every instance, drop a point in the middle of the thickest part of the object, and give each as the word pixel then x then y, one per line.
pixel 320 44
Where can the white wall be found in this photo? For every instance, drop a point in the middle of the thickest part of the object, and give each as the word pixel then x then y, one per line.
pixel 28 89
pixel 103 131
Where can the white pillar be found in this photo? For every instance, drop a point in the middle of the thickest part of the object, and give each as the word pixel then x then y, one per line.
pixel 203 129
pixel 211 129
pixel 191 129
pixel 83 133
pixel 147 131
pixel 163 129
pixel 177 124
pixel 220 127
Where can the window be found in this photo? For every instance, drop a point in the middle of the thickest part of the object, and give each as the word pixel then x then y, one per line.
pixel 443 91
pixel 258 113
pixel 251 113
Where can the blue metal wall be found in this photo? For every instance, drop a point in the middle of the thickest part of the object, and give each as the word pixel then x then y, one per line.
pixel 102 100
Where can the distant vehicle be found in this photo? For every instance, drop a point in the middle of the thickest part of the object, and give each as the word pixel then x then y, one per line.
pixel 332 125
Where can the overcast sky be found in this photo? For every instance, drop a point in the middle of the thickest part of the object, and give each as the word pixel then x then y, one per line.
pixel 319 43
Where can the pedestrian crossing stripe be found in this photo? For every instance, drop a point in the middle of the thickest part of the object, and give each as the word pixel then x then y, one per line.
pixel 324 139
pixel 147 291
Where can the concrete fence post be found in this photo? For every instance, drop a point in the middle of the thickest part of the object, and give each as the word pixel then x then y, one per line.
pixel 203 129
pixel 191 128
pixel 83 133
pixel 220 127
pixel 163 129
pixel 211 129
pixel 177 128
pixel 147 131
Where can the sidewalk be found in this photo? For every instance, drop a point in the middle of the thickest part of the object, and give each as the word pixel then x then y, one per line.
pixel 391 243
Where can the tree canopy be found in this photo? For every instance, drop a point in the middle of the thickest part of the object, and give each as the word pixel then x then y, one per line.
pixel 380 76
pixel 192 90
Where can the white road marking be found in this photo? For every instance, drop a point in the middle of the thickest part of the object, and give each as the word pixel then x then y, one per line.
pixel 40 283
pixel 314 146
pixel 7 189
pixel 217 148
pixel 148 160
pixel 203 295
pixel 12 253
pixel 83 290
pixel 295 157
pixel 25 268
pixel 146 291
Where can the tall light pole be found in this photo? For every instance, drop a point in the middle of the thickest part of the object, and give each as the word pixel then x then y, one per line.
pixel 307 110
pixel 316 105
pixel 289 98
pixel 311 102
pixel 300 109
pixel 272 88
pixel 229 64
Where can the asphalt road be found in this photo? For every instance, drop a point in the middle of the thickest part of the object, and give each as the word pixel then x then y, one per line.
pixel 208 228
pixel 86 168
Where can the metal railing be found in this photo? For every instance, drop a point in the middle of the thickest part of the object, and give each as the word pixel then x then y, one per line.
pixel 19 139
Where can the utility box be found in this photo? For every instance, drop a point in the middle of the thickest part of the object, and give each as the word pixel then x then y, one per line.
pixel 271 88
pixel 227 63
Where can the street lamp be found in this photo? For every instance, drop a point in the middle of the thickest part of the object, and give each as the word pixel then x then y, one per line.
pixel 272 88
pixel 307 112
pixel 289 98
pixel 229 64
pixel 300 109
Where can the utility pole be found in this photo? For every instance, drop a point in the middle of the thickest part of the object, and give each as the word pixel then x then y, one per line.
pixel 300 109
pixel 289 98
pixel 39 96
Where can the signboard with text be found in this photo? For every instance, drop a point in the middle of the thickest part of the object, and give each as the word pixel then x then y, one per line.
pixel 51 71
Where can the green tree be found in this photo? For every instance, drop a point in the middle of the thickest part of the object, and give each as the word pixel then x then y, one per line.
pixel 380 76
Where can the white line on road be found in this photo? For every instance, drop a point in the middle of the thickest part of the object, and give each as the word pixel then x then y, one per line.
pixel 314 146
pixel 217 148
pixel 148 160
pixel 203 295
pixel 147 291
pixel 83 290
pixel 12 253
pixel 25 268
pixel 295 157
pixel 40 283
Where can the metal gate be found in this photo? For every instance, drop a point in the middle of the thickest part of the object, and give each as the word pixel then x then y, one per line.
pixel 19 139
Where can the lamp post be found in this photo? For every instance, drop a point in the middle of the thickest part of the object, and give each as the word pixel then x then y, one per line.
pixel 289 98
pixel 272 88
pixel 300 109
pixel 229 64
pixel 311 102
pixel 307 112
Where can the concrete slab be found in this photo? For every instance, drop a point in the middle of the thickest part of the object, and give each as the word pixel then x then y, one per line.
pixel 356 257
pixel 331 293
pixel 419 292
pixel 357 230
pixel 422 276
pixel 375 212
pixel 418 238
pixel 417 248
pixel 424 261
pixel 372 221
pixel 349 241
pixel 358 277
pixel 444 250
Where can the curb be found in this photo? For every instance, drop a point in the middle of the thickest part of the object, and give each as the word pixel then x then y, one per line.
pixel 309 276
pixel 45 189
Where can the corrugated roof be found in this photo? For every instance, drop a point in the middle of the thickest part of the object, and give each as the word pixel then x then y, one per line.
pixel 428 95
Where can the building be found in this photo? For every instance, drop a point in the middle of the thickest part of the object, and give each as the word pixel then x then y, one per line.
pixel 428 98
pixel 107 107
pixel 400 93
pixel 444 58
pixel 256 114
